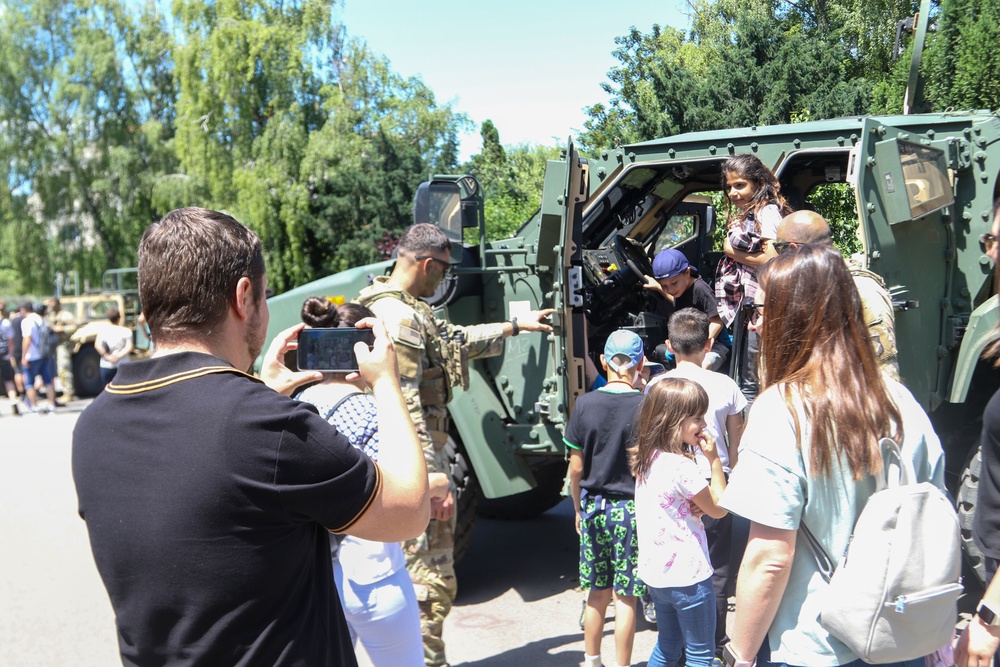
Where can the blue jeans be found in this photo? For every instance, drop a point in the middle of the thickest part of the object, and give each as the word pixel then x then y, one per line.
pixel 685 618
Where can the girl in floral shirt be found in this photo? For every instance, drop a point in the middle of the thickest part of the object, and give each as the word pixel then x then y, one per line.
pixel 673 550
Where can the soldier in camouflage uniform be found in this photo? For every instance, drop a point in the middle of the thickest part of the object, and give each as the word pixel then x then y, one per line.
pixel 804 227
pixel 63 324
pixel 433 358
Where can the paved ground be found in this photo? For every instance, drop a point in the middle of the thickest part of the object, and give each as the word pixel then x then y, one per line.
pixel 518 603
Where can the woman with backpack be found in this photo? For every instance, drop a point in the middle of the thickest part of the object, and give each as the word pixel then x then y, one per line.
pixel 809 453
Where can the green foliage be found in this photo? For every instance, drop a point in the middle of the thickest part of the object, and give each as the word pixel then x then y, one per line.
pixel 962 62
pixel 115 114
pixel 744 63
pixel 512 181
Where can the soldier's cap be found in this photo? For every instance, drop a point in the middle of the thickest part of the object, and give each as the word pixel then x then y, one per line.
pixel 669 263
pixel 625 343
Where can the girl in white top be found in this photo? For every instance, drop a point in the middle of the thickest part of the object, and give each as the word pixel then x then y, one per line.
pixel 673 550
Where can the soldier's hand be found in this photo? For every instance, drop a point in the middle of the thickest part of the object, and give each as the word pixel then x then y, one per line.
pixel 443 509
pixel 379 363
pixel 533 321
pixel 273 370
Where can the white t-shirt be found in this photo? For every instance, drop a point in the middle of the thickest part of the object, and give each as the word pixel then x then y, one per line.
pixel 769 218
pixel 116 338
pixel 673 549
pixel 724 399
pixel 31 325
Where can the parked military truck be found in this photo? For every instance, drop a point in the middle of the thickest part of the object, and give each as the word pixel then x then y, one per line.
pixel 90 311
pixel 923 185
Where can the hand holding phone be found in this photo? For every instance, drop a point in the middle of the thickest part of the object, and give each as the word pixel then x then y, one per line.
pixel 331 350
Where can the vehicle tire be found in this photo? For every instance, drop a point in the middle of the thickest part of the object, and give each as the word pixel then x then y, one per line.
pixel 528 504
pixel 467 495
pixel 968 490
pixel 87 372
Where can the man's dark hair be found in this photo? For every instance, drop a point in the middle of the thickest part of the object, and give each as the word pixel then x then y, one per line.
pixel 423 238
pixel 688 331
pixel 189 265
pixel 28 306
pixel 113 315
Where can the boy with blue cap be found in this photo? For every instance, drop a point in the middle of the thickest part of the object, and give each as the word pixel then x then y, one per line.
pixel 597 436
pixel 681 287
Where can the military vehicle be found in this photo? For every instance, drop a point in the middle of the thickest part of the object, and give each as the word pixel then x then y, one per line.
pixel 923 184
pixel 90 311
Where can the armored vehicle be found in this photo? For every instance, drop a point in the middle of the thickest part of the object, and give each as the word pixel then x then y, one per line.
pixel 118 290
pixel 923 187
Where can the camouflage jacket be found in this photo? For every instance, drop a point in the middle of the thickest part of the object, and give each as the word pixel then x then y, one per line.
pixel 879 318
pixel 433 357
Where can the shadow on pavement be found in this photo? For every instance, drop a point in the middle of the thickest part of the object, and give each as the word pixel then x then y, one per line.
pixel 536 557
pixel 535 653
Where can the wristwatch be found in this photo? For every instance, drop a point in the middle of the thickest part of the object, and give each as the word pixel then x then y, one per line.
pixel 987 615
pixel 513 323
pixel 730 658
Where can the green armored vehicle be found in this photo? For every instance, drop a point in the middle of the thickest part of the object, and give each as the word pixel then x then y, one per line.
pixel 923 185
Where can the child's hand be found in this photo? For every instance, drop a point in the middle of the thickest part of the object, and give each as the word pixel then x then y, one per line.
pixel 707 444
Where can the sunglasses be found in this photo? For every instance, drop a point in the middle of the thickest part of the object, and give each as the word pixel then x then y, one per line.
pixel 781 246
pixel 445 266
pixel 756 312
pixel 989 242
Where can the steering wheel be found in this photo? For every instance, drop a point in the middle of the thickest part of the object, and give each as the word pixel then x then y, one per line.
pixel 631 254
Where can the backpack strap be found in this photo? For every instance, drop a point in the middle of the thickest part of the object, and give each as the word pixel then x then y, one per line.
pixel 896 471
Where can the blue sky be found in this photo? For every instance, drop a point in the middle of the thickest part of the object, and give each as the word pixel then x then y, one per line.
pixel 529 66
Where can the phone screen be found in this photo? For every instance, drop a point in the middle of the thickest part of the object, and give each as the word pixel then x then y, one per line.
pixel 331 350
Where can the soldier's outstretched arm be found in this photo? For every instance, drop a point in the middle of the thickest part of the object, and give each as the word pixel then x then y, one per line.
pixel 401 510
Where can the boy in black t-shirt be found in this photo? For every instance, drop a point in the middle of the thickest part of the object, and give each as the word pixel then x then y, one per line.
pixel 599 431
pixel 681 287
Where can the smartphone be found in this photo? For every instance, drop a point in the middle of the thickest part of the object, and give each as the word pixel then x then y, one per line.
pixel 331 350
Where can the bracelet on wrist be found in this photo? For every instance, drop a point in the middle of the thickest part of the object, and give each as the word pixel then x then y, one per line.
pixel 513 323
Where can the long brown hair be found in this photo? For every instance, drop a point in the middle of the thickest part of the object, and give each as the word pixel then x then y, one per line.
pixel 668 403
pixel 814 343
pixel 993 349
pixel 767 190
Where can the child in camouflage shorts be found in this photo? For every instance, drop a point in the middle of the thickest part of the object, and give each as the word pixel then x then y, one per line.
pixel 599 432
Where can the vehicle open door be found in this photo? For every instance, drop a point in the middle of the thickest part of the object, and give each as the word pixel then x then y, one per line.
pixel 904 196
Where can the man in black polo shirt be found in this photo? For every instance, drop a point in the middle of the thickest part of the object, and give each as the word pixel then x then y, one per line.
pixel 207 494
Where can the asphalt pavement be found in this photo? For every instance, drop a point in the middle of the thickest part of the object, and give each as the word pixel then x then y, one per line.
pixel 518 601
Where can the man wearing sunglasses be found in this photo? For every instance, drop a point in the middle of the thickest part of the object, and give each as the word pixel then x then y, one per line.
pixel 433 357
pixel 809 228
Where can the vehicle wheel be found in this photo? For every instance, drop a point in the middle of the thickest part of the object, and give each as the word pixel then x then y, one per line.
pixel 87 372
pixel 968 490
pixel 528 504
pixel 467 496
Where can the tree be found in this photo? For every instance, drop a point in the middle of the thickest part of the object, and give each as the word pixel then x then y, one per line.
pixel 383 135
pixel 79 86
pixel 962 64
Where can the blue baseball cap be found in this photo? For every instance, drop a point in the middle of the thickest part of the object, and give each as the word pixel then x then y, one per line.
pixel 669 263
pixel 626 343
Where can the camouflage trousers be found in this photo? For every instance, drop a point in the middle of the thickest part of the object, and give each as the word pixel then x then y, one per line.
pixel 64 367
pixel 430 561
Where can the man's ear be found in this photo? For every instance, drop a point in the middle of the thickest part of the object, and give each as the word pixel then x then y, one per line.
pixel 245 302
pixel 604 364
pixel 670 348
